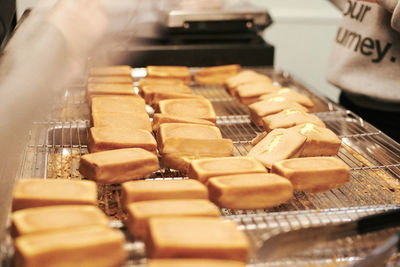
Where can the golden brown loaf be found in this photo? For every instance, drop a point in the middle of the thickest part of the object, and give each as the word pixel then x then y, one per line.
pixel 321 141
pixel 216 75
pixel 185 130
pixel 289 118
pixel 199 237
pixel 119 165
pixel 313 174
pixel 56 218
pixel 196 108
pixel 81 246
pixel 159 119
pixel 250 190
pixel 261 109
pixel 245 77
pixel 290 95
pixel 203 169
pixel 110 79
pixel 118 104
pixel 169 72
pixel 134 191
pixel 30 193
pixel 110 89
pixel 107 138
pixel 122 120
pixel 139 213
pixel 279 144
pixel 117 70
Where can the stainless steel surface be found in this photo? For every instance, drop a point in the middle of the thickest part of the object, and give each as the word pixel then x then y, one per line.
pixel 57 143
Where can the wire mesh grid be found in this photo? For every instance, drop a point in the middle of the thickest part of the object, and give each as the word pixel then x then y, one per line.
pixel 56 145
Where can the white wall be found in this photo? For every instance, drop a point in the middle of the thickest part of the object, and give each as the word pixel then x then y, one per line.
pixel 303 34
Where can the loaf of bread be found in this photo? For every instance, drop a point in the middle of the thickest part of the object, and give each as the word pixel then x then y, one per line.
pixel 116 70
pixel 139 213
pixel 203 169
pixel 289 118
pixel 110 79
pixel 261 109
pixel 81 246
pixel 135 191
pixel 250 92
pixel 199 108
pixel 193 263
pixel 122 120
pixel 290 95
pixel 185 130
pixel 30 193
pixel 201 237
pixel 181 162
pixel 216 75
pixel 149 91
pixel 170 72
pixel 250 190
pixel 159 81
pixel 159 119
pixel 119 165
pixel 106 138
pixel 244 77
pixel 321 141
pixel 118 104
pixel 110 89
pixel 313 174
pixel 278 145
pixel 198 147
pixel 53 218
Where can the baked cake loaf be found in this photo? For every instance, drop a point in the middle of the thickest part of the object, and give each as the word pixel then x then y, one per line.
pixel 181 162
pixel 30 193
pixel 110 89
pixel 186 130
pixel 201 237
pixel 198 147
pixel 203 169
pixel 53 218
pixel 200 108
pixel 81 246
pixel 313 174
pixel 106 138
pixel 251 92
pixel 261 109
pixel 321 141
pixel 122 120
pixel 159 119
pixel 289 118
pixel 250 190
pixel 167 72
pixel 244 77
pixel 118 104
pixel 134 191
pixel 216 75
pixel 290 95
pixel 139 213
pixel 279 144
pixel 110 79
pixel 118 166
pixel 117 70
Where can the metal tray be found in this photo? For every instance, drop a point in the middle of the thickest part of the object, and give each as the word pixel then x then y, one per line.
pixel 57 143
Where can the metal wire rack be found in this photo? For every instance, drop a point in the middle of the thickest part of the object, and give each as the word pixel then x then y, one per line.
pixel 57 143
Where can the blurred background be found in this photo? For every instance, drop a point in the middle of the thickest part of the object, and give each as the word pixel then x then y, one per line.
pixel 302 33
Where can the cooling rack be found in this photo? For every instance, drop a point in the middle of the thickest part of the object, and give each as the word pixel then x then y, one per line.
pixel 56 144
